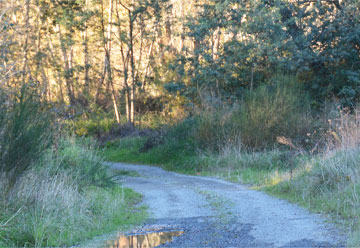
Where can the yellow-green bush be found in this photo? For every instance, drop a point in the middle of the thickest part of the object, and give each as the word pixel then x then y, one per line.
pixel 91 127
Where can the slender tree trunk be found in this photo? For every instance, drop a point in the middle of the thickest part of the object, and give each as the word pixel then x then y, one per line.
pixel 252 78
pixel 26 42
pixel 102 77
pixel 39 59
pixel 125 62
pixel 54 62
pixel 101 82
pixel 108 62
pixel 132 65
pixel 182 41
pixel 38 45
pixel 127 90
pixel 86 56
pixel 148 64
pixel 127 102
pixel 67 69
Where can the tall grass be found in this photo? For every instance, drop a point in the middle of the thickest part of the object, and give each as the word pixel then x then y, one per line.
pixel 330 181
pixel 82 159
pixel 62 200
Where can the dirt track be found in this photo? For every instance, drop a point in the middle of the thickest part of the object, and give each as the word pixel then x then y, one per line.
pixel 216 213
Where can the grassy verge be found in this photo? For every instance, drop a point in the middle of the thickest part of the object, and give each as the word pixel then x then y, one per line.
pixel 66 198
pixel 327 183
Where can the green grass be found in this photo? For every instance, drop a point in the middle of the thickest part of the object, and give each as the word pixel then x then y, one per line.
pixel 171 156
pixel 122 217
pixel 101 211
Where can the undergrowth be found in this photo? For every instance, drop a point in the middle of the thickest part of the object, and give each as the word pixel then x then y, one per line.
pixel 68 196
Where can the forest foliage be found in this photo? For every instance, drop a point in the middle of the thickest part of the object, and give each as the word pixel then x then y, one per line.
pixel 127 58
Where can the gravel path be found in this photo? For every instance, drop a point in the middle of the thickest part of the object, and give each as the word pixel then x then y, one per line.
pixel 216 213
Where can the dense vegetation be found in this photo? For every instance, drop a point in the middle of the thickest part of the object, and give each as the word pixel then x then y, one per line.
pixel 54 189
pixel 259 91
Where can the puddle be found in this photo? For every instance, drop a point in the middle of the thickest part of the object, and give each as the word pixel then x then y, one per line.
pixel 147 240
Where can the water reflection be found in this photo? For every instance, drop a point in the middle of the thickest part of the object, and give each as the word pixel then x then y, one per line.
pixel 148 240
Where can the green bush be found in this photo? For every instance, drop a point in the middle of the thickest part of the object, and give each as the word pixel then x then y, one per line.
pixel 92 127
pixel 214 128
pixel 25 131
pixel 329 182
pixel 84 162
pixel 279 108
pixel 173 148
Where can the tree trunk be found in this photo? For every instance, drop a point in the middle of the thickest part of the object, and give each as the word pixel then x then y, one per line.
pixel 26 42
pixel 132 65
pixel 86 56
pixel 67 69
pixel 108 64
pixel 252 78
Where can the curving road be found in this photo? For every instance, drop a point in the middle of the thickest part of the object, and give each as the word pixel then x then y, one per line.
pixel 216 213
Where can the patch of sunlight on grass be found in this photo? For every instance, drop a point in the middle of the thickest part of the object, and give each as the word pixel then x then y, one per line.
pixel 278 177
pixel 275 179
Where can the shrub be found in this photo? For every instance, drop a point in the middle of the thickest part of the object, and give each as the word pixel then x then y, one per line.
pixel 83 161
pixel 215 128
pixel 338 166
pixel 92 127
pixel 278 108
pixel 25 131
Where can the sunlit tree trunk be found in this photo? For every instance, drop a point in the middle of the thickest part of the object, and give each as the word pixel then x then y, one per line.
pixel 108 62
pixel 67 68
pixel 86 55
pixel 26 41
pixel 132 65
pixel 53 60
pixel 40 70
pixel 132 87
pixel 124 61
pixel 102 77
pixel 182 41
